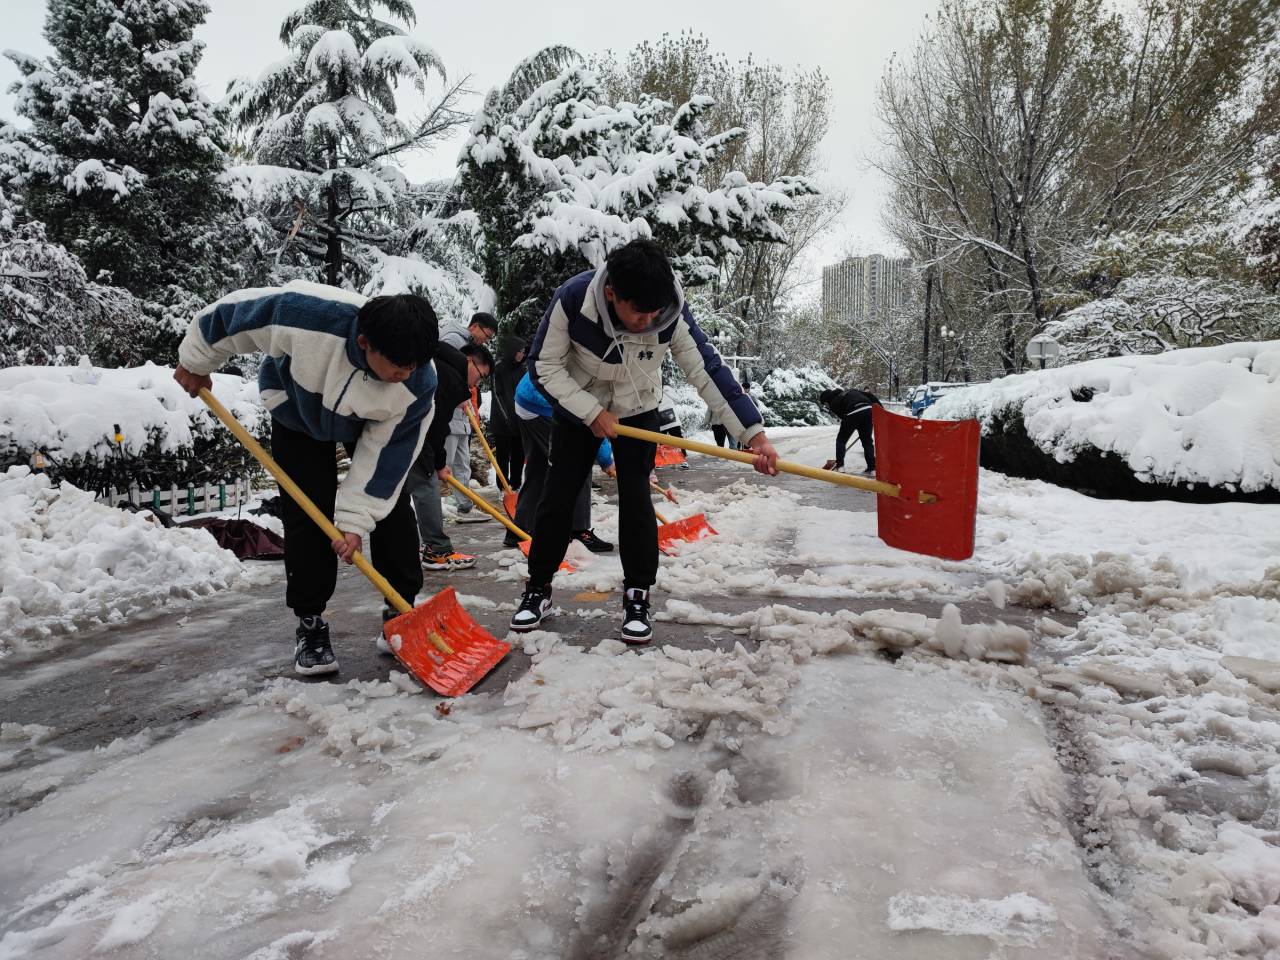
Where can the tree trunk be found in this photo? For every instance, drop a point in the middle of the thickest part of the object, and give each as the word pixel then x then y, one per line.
pixel 333 248
pixel 928 323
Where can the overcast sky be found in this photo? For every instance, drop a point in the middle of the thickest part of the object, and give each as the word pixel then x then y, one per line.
pixel 851 40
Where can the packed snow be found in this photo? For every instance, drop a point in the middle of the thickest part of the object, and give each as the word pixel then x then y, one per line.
pixel 871 781
pixel 1206 415
pixel 69 563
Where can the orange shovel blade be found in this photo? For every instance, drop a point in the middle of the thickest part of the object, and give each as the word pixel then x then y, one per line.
pixel 667 456
pixel 470 651
pixel 509 500
pixel 565 565
pixel 689 529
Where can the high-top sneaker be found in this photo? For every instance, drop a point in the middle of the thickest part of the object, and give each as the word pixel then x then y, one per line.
pixel 635 616
pixel 535 605
pixel 593 543
pixel 313 655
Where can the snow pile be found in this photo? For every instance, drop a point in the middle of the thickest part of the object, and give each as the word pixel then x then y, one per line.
pixel 1201 416
pixel 71 412
pixel 67 560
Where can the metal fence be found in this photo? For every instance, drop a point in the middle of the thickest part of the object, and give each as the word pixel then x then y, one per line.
pixel 186 501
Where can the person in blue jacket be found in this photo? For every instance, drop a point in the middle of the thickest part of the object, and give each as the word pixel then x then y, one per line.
pixel 533 412
pixel 336 368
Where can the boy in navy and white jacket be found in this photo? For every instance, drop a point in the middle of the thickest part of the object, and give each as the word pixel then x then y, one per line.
pixel 598 356
pixel 337 368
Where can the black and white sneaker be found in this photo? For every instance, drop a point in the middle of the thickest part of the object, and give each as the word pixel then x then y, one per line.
pixel 635 616
pixel 313 655
pixel 535 605
pixel 593 543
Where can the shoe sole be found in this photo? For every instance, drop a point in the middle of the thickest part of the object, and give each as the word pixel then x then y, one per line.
pixel 635 641
pixel 448 566
pixel 317 671
pixel 468 519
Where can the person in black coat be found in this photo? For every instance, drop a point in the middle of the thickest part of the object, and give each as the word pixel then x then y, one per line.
pixel 853 407
pixel 503 422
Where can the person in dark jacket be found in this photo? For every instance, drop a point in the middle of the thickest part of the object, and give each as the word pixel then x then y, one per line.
pixel 457 372
pixel 853 407
pixel 503 422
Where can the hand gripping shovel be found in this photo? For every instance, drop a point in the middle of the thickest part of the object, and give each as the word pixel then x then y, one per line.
pixel 437 642
pixel 928 503
pixel 484 505
pixel 509 496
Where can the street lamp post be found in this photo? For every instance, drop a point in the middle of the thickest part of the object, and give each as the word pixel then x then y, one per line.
pixel 947 335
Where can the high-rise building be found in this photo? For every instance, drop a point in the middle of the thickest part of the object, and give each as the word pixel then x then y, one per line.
pixel 860 288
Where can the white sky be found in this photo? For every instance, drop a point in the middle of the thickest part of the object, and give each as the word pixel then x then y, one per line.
pixel 851 40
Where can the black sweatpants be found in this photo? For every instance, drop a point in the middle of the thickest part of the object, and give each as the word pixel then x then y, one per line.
pixel 310 565
pixel 573 451
pixel 508 448
pixel 537 441
pixel 860 421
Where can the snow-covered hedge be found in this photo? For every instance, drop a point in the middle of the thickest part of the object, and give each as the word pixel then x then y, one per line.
pixel 69 414
pixel 788 397
pixel 1188 424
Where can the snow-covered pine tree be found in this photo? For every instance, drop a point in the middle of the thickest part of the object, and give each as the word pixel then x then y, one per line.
pixel 564 178
pixel 123 151
pixel 323 129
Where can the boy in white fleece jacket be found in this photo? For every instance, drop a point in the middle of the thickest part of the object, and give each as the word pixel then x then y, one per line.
pixel 336 368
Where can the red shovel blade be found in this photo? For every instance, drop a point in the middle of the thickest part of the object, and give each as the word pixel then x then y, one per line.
pixel 509 500
pixel 565 565
pixel 469 651
pixel 934 456
pixel 667 456
pixel 688 529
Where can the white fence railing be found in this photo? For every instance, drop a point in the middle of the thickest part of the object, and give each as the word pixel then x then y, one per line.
pixel 187 501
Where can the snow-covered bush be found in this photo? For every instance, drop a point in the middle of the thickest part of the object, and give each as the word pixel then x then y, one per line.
pixel 70 415
pixel 1190 424
pixel 788 397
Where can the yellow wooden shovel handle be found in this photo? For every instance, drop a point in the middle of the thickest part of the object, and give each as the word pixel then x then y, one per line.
pixel 484 505
pixel 475 423
pixel 785 466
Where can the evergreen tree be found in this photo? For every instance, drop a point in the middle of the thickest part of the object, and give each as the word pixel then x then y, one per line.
pixel 565 178
pixel 323 130
pixel 122 157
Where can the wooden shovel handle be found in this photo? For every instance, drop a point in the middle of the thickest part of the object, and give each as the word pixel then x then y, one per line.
pixel 785 466
pixel 484 505
pixel 300 498
pixel 475 422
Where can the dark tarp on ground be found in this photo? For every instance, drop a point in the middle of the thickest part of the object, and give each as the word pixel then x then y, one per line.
pixel 244 538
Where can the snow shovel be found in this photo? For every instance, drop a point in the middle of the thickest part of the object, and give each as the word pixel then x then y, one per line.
pixel 665 491
pixel 667 455
pixel 689 529
pixel 417 636
pixel 508 495
pixel 484 505
pixel 930 503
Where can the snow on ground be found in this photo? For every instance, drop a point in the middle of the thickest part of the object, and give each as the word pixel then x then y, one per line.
pixel 1203 415
pixel 1094 791
pixel 68 562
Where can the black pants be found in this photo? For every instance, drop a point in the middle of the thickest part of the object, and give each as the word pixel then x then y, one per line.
pixel 721 433
pixel 537 440
pixel 509 449
pixel 310 565
pixel 861 422
pixel 573 450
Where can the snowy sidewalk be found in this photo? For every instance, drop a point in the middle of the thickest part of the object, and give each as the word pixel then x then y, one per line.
pixel 822 761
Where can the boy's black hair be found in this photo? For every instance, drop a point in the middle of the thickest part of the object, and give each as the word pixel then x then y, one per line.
pixel 641 274
pixel 402 327
pixel 485 320
pixel 480 352
pixel 828 397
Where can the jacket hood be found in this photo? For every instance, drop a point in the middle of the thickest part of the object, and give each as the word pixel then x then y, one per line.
pixel 510 347
pixel 600 307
